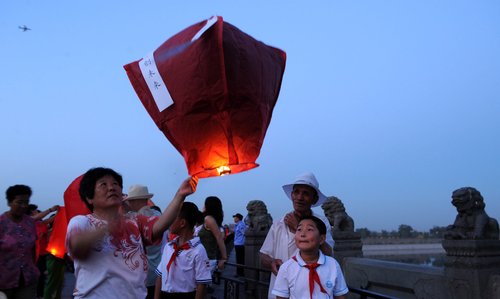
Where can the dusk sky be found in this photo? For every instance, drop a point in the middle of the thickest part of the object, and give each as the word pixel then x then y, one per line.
pixel 392 104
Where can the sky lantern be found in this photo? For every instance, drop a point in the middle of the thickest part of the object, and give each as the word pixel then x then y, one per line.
pixel 211 90
pixel 57 240
pixel 72 201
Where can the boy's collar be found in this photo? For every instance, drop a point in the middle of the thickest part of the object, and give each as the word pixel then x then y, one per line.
pixel 192 243
pixel 302 263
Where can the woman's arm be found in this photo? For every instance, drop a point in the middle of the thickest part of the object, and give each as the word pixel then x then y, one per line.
pixel 165 220
pixel 42 215
pixel 81 243
pixel 158 287
pixel 211 225
pixel 200 291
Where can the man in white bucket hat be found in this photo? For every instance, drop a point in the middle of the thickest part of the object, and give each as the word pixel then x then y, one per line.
pixel 137 198
pixel 137 202
pixel 279 244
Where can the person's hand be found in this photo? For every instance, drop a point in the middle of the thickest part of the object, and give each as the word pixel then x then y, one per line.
pixel 275 266
pixel 291 221
pixel 220 264
pixel 188 187
pixel 55 208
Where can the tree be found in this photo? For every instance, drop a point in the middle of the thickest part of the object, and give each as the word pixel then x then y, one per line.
pixel 437 231
pixel 364 232
pixel 406 231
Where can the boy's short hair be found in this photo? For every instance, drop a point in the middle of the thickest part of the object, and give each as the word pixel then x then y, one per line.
pixel 188 212
pixel 320 225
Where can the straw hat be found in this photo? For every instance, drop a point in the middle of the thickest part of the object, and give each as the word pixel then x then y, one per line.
pixel 308 179
pixel 138 192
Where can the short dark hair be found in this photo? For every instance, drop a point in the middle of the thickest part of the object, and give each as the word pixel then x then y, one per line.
pixel 16 190
pixel 89 179
pixel 320 225
pixel 31 209
pixel 189 212
pixel 199 217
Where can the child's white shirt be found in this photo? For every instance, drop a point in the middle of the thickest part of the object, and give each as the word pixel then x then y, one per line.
pixel 293 279
pixel 190 267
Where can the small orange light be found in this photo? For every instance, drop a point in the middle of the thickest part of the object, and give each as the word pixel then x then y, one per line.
pixel 223 170
pixel 53 251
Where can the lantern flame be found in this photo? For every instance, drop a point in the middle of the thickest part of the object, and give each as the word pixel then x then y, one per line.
pixel 223 170
pixel 53 251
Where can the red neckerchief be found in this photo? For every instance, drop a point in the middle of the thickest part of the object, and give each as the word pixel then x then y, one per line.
pixel 313 277
pixel 177 251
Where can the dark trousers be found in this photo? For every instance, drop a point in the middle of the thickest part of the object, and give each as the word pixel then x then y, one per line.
pixel 240 258
pixel 151 292
pixel 42 267
pixel 191 295
pixel 55 278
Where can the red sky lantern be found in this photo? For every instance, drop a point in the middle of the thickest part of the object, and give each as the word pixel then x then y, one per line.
pixel 211 90
pixel 72 201
pixel 57 239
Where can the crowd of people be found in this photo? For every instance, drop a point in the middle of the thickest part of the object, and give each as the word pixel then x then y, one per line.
pixel 126 247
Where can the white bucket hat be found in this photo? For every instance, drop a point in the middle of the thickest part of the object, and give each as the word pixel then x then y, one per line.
pixel 138 192
pixel 308 179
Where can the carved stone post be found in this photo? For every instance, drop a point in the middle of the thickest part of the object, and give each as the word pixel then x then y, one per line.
pixel 347 245
pixel 258 223
pixel 472 263
pixel 347 242
pixel 471 267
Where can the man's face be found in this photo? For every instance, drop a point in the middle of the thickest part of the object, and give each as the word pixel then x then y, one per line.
pixel 307 236
pixel 303 197
pixel 236 219
pixel 107 193
pixel 137 204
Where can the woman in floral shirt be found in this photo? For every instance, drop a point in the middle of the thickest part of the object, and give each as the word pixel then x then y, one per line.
pixel 107 246
pixel 18 272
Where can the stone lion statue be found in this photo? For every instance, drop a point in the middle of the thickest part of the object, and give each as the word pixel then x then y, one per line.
pixel 472 222
pixel 258 219
pixel 335 213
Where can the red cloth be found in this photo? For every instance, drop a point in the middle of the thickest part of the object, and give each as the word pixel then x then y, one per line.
pixel 42 238
pixel 313 277
pixel 177 251
pixel 224 86
pixel 72 201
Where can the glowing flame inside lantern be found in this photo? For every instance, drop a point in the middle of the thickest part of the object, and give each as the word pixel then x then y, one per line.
pixel 53 251
pixel 223 170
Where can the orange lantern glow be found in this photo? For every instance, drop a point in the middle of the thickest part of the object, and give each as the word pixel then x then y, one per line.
pixel 57 240
pixel 211 89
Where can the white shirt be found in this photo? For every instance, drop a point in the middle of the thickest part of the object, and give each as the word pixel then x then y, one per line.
pixel 280 244
pixel 293 279
pixel 117 264
pixel 191 267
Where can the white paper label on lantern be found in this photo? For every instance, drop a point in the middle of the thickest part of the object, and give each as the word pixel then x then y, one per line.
pixel 155 83
pixel 209 24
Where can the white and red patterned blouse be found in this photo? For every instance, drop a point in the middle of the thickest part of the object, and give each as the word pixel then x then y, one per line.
pixel 117 265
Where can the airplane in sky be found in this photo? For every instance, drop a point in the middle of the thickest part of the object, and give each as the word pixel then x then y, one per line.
pixel 24 28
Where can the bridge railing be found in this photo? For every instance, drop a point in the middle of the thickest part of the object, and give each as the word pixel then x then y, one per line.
pixel 252 286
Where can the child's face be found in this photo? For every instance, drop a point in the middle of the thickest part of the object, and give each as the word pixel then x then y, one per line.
pixel 307 236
